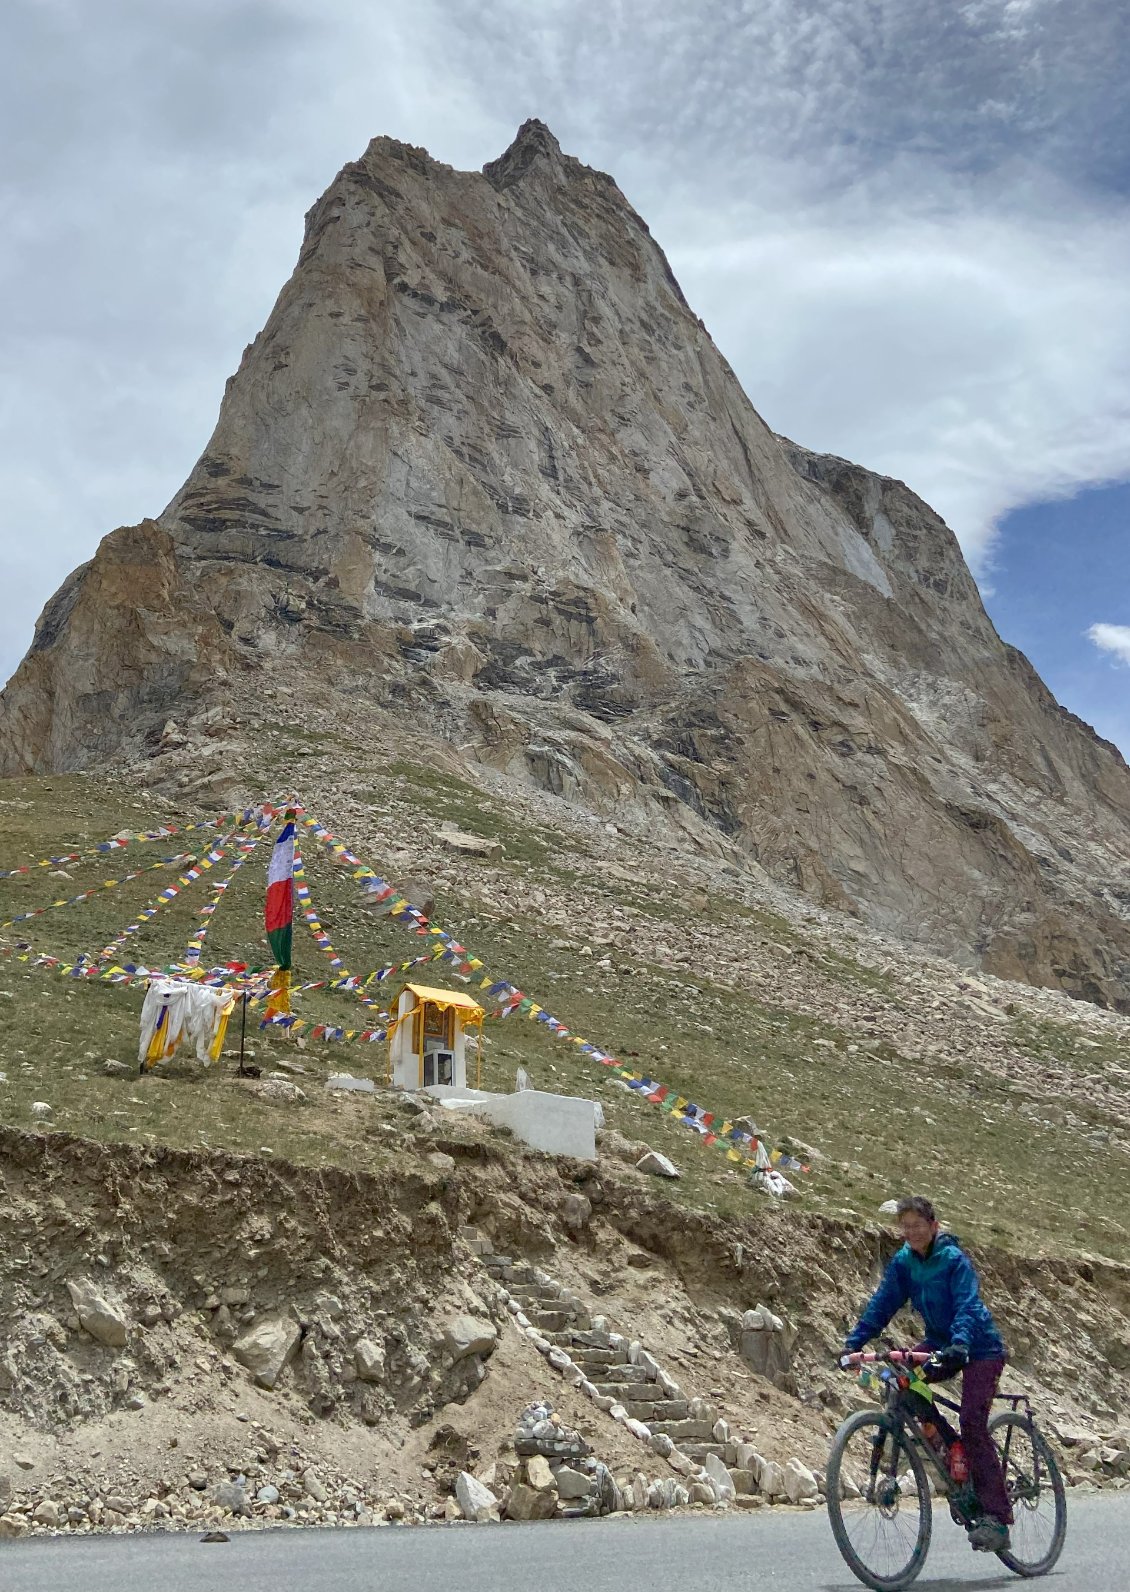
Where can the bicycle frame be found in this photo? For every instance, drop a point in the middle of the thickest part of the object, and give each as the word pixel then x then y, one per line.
pixel 896 1386
pixel 905 1419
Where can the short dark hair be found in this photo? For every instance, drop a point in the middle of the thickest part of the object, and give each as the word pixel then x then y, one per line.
pixel 918 1204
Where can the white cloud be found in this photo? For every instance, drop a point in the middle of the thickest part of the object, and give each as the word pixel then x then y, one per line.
pixel 1114 639
pixel 984 358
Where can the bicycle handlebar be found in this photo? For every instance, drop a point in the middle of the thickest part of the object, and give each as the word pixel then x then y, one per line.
pixel 885 1356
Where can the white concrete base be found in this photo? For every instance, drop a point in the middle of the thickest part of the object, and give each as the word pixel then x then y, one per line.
pixel 557 1124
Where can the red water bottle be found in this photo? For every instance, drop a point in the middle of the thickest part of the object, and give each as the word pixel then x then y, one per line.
pixel 959 1465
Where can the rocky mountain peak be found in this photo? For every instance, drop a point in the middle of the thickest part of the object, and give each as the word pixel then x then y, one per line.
pixel 534 143
pixel 484 469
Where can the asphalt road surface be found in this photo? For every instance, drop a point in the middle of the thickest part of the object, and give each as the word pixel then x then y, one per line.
pixel 743 1553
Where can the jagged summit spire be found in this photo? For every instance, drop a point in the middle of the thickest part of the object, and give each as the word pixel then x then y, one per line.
pixel 533 142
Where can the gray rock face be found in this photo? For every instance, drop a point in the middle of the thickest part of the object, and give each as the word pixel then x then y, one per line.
pixel 764 1343
pixel 484 460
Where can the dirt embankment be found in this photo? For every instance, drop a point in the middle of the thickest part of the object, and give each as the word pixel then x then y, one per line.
pixel 170 1320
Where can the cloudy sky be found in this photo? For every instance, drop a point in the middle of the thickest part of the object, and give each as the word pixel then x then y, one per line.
pixel 906 224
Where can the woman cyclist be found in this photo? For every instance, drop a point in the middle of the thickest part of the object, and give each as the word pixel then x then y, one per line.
pixel 933 1272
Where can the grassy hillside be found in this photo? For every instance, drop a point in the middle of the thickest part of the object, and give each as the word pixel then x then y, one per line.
pixel 744 1009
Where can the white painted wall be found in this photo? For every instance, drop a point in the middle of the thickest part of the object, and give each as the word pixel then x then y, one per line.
pixel 558 1124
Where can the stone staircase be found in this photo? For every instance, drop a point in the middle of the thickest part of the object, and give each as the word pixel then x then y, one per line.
pixel 625 1380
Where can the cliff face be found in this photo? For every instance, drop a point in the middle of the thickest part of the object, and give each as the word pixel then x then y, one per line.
pixel 485 464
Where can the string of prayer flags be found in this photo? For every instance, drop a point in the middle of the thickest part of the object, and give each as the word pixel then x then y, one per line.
pixel 738 1146
pixel 105 884
pixel 324 1031
pixel 195 946
pixel 200 865
pixel 345 980
pixel 117 842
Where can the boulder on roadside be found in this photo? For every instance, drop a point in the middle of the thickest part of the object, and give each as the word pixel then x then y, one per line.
pixel 268 1348
pixel 526 1504
pixel 771 1479
pixel 720 1477
pixel 475 1499
pixel 573 1484
pixel 230 1496
pixel 104 1321
pixel 800 1483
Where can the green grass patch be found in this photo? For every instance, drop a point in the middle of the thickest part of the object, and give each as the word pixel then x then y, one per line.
pixel 884 1124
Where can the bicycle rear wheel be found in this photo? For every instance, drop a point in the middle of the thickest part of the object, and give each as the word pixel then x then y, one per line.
pixel 878 1501
pixel 1036 1492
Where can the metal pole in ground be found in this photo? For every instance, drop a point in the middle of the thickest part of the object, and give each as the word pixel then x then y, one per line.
pixel 242 1030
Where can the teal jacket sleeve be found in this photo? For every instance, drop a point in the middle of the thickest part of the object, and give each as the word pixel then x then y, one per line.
pixel 887 1300
pixel 965 1292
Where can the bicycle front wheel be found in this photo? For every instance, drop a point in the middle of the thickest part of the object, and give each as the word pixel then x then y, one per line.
pixel 878 1501
pixel 1035 1490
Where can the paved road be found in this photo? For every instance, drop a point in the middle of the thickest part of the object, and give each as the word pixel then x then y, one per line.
pixel 747 1553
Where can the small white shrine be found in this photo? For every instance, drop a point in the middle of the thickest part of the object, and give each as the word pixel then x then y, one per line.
pixel 427 1041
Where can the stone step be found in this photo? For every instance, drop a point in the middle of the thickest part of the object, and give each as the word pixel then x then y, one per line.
pixel 516 1277
pixel 699 1451
pixel 552 1320
pixel 623 1373
pixel 536 1290
pixel 591 1359
pixel 650 1410
pixel 686 1431
pixel 592 1338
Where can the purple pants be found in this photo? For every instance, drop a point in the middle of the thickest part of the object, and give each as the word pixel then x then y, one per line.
pixel 978 1384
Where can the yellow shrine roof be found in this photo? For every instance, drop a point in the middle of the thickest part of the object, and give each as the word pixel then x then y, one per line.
pixel 445 998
